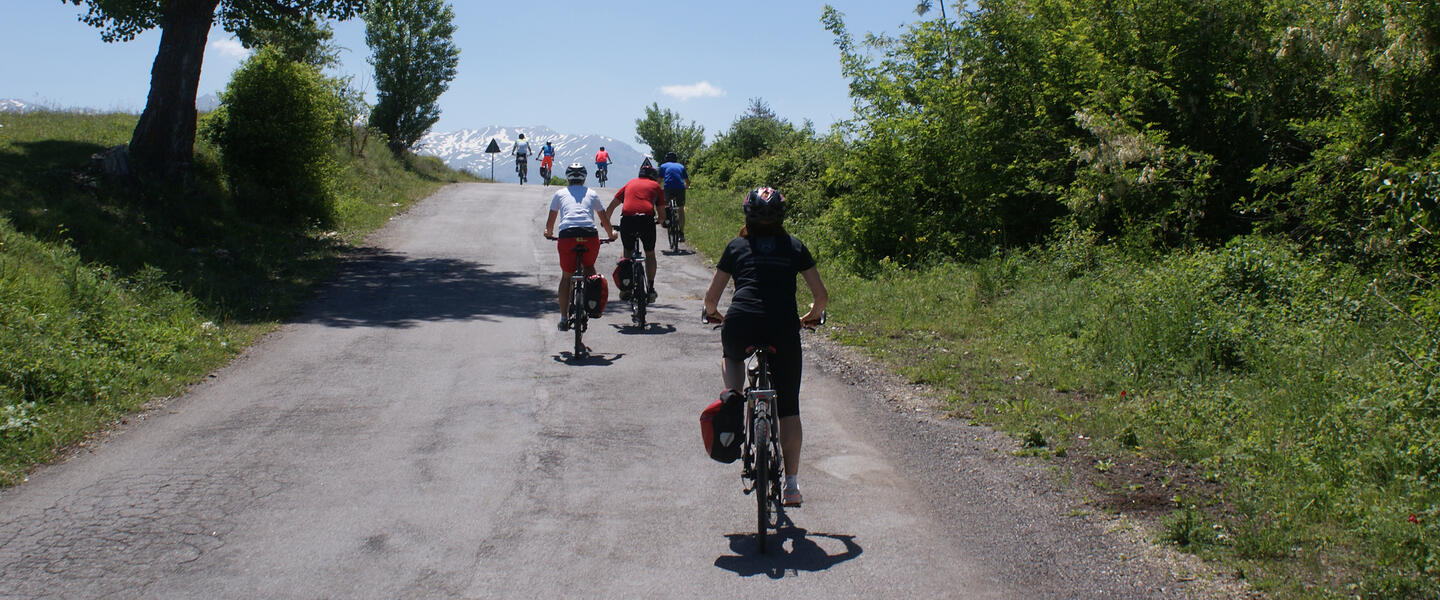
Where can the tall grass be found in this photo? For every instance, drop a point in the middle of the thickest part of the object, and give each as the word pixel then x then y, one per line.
pixel 115 293
pixel 1282 409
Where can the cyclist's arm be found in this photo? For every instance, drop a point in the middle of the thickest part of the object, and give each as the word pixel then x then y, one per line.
pixel 604 219
pixel 818 292
pixel 619 199
pixel 550 224
pixel 715 291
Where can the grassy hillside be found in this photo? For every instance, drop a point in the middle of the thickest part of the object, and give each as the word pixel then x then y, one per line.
pixel 116 294
pixel 1271 411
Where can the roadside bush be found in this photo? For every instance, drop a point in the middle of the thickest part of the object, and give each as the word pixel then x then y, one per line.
pixel 274 129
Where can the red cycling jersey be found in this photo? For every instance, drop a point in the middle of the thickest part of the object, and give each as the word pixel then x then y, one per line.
pixel 639 196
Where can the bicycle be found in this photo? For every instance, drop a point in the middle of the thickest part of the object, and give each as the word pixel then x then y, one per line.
pixel 578 317
pixel 761 455
pixel 672 224
pixel 544 174
pixel 521 168
pixel 602 173
pixel 639 294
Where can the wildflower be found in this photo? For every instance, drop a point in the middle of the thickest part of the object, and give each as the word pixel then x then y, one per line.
pixel 1122 393
pixel 1414 519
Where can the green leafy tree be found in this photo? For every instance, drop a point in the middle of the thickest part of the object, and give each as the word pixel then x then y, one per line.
pixel 415 58
pixel 275 132
pixel 664 131
pixel 757 132
pixel 301 40
pixel 164 139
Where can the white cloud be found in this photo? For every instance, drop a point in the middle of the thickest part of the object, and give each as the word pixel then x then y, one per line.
pixel 694 90
pixel 229 48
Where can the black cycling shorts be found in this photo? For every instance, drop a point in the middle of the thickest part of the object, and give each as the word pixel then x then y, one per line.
pixel 637 226
pixel 743 330
pixel 678 195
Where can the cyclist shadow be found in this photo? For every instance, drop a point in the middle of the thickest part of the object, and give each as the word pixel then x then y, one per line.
pixel 588 360
pixel 649 329
pixel 791 550
pixel 680 252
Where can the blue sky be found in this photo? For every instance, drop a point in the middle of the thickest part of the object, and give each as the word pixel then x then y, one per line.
pixel 577 67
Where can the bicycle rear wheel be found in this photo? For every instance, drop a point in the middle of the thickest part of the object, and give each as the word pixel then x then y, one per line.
pixel 762 481
pixel 639 294
pixel 578 316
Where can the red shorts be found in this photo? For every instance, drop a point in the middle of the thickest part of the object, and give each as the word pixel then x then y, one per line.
pixel 567 252
pixel 547 161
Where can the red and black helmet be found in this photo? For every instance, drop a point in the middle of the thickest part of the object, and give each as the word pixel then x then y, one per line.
pixel 764 205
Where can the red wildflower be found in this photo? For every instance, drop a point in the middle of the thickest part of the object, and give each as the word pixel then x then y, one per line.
pixel 1122 393
pixel 1414 519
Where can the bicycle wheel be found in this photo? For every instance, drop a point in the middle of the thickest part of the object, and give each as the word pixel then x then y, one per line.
pixel 640 294
pixel 762 481
pixel 578 316
pixel 674 229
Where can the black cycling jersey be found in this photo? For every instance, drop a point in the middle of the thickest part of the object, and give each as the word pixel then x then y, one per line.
pixel 764 269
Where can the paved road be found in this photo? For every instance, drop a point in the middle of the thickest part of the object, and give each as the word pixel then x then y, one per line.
pixel 417 432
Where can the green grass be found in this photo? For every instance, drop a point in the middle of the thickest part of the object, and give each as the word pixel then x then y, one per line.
pixel 116 293
pixel 1270 411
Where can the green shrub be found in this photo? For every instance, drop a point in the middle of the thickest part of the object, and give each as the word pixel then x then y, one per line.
pixel 275 130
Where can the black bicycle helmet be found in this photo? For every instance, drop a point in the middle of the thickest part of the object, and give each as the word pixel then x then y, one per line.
pixel 671 157
pixel 764 205
pixel 575 173
pixel 647 170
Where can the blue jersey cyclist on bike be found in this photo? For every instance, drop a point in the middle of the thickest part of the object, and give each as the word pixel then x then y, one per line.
pixel 575 210
pixel 763 262
pixel 675 181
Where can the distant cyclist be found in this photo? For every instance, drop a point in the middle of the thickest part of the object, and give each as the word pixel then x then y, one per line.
pixel 575 209
pixel 763 262
pixel 639 201
pixel 521 152
pixel 676 182
pixel 547 158
pixel 602 161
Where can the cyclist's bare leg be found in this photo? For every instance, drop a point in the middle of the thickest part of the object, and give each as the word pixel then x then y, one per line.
pixel 791 438
pixel 564 294
pixel 650 265
pixel 732 371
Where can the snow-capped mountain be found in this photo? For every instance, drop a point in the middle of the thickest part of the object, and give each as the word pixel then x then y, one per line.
pixel 465 149
pixel 11 105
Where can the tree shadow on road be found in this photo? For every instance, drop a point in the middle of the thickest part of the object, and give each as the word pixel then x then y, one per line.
pixel 790 550
pixel 386 289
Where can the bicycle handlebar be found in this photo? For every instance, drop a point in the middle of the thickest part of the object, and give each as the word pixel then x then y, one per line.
pixel 706 319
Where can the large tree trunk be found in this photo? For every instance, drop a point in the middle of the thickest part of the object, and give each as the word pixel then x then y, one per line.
pixel 164 139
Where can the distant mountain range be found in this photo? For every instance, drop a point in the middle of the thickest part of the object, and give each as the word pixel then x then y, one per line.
pixel 465 149
pixel 204 104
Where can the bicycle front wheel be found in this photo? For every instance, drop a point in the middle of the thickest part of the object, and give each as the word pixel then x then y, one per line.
pixel 762 481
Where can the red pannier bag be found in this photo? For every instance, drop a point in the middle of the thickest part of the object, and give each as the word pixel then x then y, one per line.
pixel 722 426
pixel 622 274
pixel 596 293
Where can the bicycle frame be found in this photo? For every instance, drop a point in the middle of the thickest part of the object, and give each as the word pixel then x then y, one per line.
pixel 639 290
pixel 762 455
pixel 673 231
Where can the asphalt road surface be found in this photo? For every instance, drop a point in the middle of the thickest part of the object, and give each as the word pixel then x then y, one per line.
pixel 418 432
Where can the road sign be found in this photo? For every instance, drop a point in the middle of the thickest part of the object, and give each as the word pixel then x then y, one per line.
pixel 492 150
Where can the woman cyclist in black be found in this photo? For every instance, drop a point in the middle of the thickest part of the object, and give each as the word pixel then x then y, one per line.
pixel 763 261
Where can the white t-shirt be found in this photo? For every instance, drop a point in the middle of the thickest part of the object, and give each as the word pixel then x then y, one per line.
pixel 576 205
pixel 522 147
